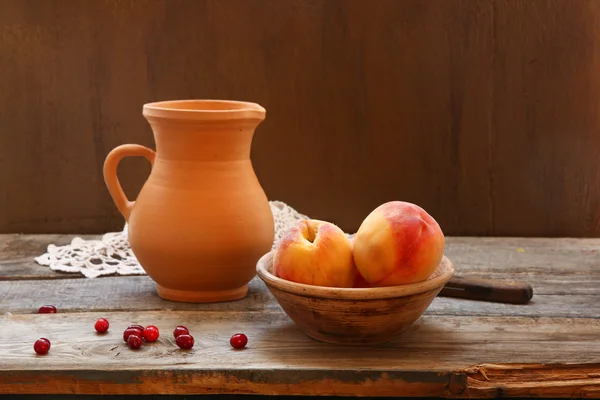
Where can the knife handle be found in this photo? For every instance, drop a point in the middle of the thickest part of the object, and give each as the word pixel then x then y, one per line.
pixel 512 292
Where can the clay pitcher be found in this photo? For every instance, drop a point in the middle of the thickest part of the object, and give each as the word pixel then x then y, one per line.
pixel 201 221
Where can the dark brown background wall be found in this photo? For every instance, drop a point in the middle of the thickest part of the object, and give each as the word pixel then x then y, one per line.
pixel 485 112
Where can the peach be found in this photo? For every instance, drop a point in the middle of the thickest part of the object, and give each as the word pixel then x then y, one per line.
pixel 315 252
pixel 398 243
pixel 360 281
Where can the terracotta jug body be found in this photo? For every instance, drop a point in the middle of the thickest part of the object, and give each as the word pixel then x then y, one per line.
pixel 201 220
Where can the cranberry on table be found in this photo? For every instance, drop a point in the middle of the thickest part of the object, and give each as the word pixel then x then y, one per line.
pixel 238 341
pixel 47 309
pixel 151 333
pixel 134 341
pixel 180 330
pixel 101 325
pixel 185 341
pixel 136 326
pixel 41 346
pixel 132 331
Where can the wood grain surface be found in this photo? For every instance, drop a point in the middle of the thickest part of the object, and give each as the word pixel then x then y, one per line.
pixel 564 275
pixel 545 259
pixel 435 356
pixel 548 348
pixel 484 112
pixel 139 293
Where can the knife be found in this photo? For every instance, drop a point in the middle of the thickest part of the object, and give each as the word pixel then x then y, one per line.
pixel 493 290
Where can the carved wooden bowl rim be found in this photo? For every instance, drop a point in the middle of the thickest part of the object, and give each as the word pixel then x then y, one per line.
pixel 437 280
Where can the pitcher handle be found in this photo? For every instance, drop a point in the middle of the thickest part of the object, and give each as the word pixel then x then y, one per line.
pixel 110 173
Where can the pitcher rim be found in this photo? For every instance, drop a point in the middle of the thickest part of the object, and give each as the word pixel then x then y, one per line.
pixel 206 109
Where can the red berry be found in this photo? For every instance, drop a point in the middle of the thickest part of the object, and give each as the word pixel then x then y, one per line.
pixel 136 326
pixel 132 331
pixel 41 346
pixel 134 341
pixel 238 341
pixel 151 333
pixel 180 330
pixel 101 325
pixel 48 309
pixel 185 341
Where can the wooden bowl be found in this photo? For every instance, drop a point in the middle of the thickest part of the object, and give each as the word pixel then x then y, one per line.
pixel 354 316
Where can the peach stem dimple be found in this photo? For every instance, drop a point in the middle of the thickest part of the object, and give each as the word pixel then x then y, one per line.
pixel 311 233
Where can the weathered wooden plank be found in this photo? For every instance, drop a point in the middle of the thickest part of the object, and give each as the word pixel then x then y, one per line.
pixel 434 357
pixel 567 306
pixel 547 284
pixel 552 266
pixel 179 397
pixel 113 294
pixel 533 380
pixel 138 293
pixel 174 397
pixel 15 246
pixel 17 253
pixel 558 257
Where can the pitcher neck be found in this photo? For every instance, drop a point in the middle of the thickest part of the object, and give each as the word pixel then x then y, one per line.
pixel 203 141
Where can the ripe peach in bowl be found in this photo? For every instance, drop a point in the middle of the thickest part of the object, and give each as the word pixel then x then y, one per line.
pixel 397 243
pixel 338 295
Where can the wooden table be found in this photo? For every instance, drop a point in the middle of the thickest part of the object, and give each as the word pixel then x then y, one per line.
pixel 459 348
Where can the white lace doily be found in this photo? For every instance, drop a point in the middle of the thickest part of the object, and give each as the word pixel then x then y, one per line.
pixel 112 255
